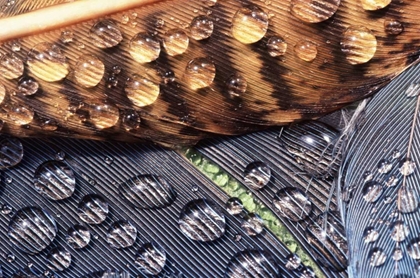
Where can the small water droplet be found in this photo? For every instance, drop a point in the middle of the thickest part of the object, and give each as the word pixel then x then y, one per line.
pixel 358 44
pixel 78 236
pixel 11 152
pixel 308 272
pixel 194 188
pixel 399 231
pixel 396 154
pixel 20 115
pixel 236 85
pixel 16 46
pixel 412 90
pixel 175 42
pixel 103 114
pixel 27 86
pixel 249 24
pixel 252 224
pixel 234 206
pixel 60 156
pixel 58 259
pixel 125 19
pixel 6 209
pixel 314 11
pixel 144 48
pixel 121 234
pixel 377 257
pixel 373 5
pixel 159 23
pixel 407 200
pixel 391 181
pixel 109 160
pixel 257 175
pixel 393 26
pixel 384 166
pixel 293 261
pixel 367 176
pixel 372 191
pixel 131 120
pixel 67 36
pixel 201 27
pixel 237 237
pixel 93 209
pixel 151 258
pixel 407 167
pixel 276 46
pixel 10 258
pixel 200 73
pixel 11 67
pixel 141 91
pixel 9 180
pixel 105 34
pixel 413 249
pixel 293 203
pixel 306 50
pixel 252 263
pixel 397 254
pixel 89 71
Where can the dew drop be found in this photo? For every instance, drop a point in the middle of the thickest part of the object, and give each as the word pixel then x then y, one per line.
pixel 78 236
pixel 396 154
pixel 370 235
pixel 121 234
pixel 105 34
pixel 367 176
pixel 391 181
pixel 200 73
pixel 16 47
pixel 60 156
pixel 11 67
pixel 20 115
pixel 175 42
pixel 249 24
pixel 148 192
pixel 89 71
pixel 393 26
pixel 10 258
pixel 377 257
pixel 54 180
pixel 93 209
pixel 252 263
pixel 372 191
pixel 103 114
pixel 407 200
pixel 306 50
pixel 32 229
pixel 373 5
pixel 412 90
pixel 399 231
pixel 236 85
pixel 314 11
pixel 67 36
pixel 234 206
pixel 144 48
pixel 384 166
pixel 58 259
pixel 237 237
pixel 292 203
pixel 131 120
pixel 201 27
pixel 413 249
pixel 151 258
pixel 358 44
pixel 252 224
pixel 407 167
pixel 141 91
pixel 6 209
pixel 276 46
pixel 257 175
pixel 293 261
pixel 47 62
pixel 11 152
pixel 27 86
pixel 202 220
pixel 397 254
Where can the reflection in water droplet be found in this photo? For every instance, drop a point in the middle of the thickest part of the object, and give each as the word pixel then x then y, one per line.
pixel 58 259
pixel 27 86
pixel 32 230
pixel 372 5
pixel 372 191
pixel 144 48
pixel 78 236
pixel 358 44
pixel 292 203
pixel 377 257
pixel 93 209
pixel 11 152
pixel 200 73
pixel 257 175
pixel 131 120
pixel 6 210
pixel 234 206
pixel 236 85
pixel 202 220
pixel 407 167
pixel 384 166
pixel 413 249
pixel 306 50
pixel 175 42
pixel 105 34
pixel 141 91
pixel 252 263
pixel 393 26
pixel 47 62
pixel 11 67
pixel 399 231
pixel 121 234
pixel 89 71
pixel 407 200
pixel 249 24
pixel 151 258
pixel 397 254
pixel 103 114
pixel 147 192
pixel 314 11
pixel 370 235
pixel 276 46
pixel 252 224
pixel 292 261
pixel 201 27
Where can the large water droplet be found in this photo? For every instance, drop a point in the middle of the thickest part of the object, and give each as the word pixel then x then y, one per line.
pixel 252 224
pixel 407 167
pixel 236 85
pixel 103 114
pixel 105 34
pixel 249 24
pixel 234 206
pixel 11 152
pixel 370 235
pixel 393 26
pixel 377 257
pixel 407 200
pixel 201 27
pixel 32 229
pixel 413 249
pixel 27 86
pixel 47 62
pixel 151 258
pixel 314 11
pixel 54 180
pixel 372 191
pixel 276 46
pixel 293 261
pixel 200 73
pixel 11 67
pixel 306 50
pixel 175 42
pixel 251 264
pixel 78 236
pixel 141 91
pixel 399 231
pixel 257 175
pixel 293 203
pixel 121 234
pixel 58 259
pixel 358 44
pixel 372 5
pixel 202 220
pixel 93 209
pixel 89 71
pixel 144 48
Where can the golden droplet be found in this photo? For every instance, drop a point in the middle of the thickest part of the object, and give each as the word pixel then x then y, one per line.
pixel 144 48
pixel 11 67
pixel 306 50
pixel 314 11
pixel 200 73
pixel 249 24
pixel 89 71
pixel 103 114
pixel 141 91
pixel 358 44
pixel 372 5
pixel 175 42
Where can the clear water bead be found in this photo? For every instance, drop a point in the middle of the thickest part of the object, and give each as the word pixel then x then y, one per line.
pixel 236 85
pixel 252 224
pixel 201 27
pixel 306 50
pixel 249 24
pixel 19 115
pixel 393 26
pixel 358 45
pixel 27 86
pixel 407 200
pixel 103 114
pixel 397 254
pixel 200 73
pixel 257 174
pixel 151 258
pixel 105 34
pixel 384 166
pixel 234 206
pixel 175 42
pixel 370 235
pixel 373 5
pixel 58 259
pixel 5 209
pixel 11 152
pixel 372 191
pixel 293 203
pixel 121 234
pixel 413 249
pixel 131 120
pixel 399 231
pixel 78 236
pixel 252 263
pixel 276 46
pixel 11 66
pixel 141 91
pixel 314 11
pixel 377 257
pixel 89 71
pixel 407 167
pixel 293 261
pixel 93 209
pixel 144 48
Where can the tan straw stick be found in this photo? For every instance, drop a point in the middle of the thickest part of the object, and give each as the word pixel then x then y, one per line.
pixel 57 16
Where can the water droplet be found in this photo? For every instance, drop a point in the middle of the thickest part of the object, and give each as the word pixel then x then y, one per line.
pixel 370 235
pixel 236 85
pixel 105 34
pixel 237 237
pixel 27 86
pixel 202 220
pixel 175 42
pixel 293 261
pixel 144 48
pixel 200 73
pixel 372 191
pixel 148 191
pixel 234 206
pixel 276 46
pixel 121 234
pixel 407 167
pixel 377 257
pixel 67 36
pixel 314 11
pixel 60 156
pixel 412 90
pixel 195 188
pixel 58 259
pixel 125 19
pixel 257 175
pixel 159 23
pixel 396 154
pixel 10 258
pixel 2 95
pixel 16 47
pixel 393 26
pixel 358 44
pixel 6 209
pixel 11 67
pixel 413 249
pixel 47 62
pixel 252 263
pixel 201 27
pixel 367 176
pixel 20 115
pixel 372 5
pixel 398 254
pixel 109 160
pixel 141 91
pixel 292 203
pixel 32 230
pixel 92 209
pixel 9 180
pixel 210 3
pixel 131 120
pixel 407 200
pixel 103 114
pixel 399 231
pixel 54 180
pixel 151 258
pixel 391 181
pixel 384 166
pixel 89 71
pixel 249 24
pixel 11 152
pixel 252 224
pixel 78 236
pixel 306 50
